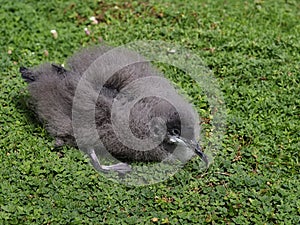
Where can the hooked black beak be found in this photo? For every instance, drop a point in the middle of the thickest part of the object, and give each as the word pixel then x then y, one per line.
pixel 192 145
pixel 198 151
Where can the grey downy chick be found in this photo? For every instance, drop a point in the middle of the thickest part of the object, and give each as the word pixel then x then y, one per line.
pixel 53 89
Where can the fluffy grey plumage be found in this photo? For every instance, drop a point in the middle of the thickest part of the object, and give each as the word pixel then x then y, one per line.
pixel 52 89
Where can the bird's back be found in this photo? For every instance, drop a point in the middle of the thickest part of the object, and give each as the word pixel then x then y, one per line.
pixel 52 89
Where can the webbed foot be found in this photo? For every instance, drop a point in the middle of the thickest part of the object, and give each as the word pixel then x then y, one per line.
pixel 121 168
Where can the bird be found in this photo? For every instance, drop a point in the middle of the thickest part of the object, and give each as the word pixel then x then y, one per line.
pixel 99 88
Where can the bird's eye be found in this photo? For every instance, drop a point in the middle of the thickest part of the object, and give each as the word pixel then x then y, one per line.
pixel 175 132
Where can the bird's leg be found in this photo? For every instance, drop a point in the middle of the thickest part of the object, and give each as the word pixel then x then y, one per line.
pixel 121 168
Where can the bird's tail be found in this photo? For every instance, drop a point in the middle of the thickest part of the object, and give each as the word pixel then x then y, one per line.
pixel 27 74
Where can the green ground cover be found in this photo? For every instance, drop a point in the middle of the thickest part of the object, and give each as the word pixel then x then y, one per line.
pixel 253 49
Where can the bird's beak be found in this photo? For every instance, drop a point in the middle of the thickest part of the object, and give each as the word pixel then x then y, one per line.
pixel 192 145
pixel 198 151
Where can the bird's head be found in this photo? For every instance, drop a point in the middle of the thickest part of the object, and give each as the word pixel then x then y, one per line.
pixel 178 131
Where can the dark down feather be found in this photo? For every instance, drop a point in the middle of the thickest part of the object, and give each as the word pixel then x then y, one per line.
pixel 52 89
